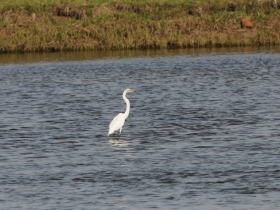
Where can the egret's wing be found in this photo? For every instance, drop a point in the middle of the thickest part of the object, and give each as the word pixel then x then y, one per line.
pixel 117 123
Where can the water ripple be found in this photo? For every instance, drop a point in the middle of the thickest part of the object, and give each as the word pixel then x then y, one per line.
pixel 203 133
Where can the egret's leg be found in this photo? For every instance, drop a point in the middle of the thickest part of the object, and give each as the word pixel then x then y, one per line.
pixel 120 132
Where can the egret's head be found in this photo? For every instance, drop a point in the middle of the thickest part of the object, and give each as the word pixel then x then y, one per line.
pixel 129 90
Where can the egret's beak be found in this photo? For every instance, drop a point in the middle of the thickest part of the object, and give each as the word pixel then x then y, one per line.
pixel 132 91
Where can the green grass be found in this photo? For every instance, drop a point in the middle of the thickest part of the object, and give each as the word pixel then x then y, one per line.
pixel 33 25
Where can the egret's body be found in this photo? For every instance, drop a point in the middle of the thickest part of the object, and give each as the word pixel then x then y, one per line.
pixel 118 122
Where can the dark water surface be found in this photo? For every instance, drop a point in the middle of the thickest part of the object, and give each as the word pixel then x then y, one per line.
pixel 203 132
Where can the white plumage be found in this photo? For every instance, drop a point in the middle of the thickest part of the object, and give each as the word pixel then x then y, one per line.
pixel 118 122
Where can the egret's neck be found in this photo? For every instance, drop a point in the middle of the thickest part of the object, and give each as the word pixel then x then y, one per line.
pixel 127 105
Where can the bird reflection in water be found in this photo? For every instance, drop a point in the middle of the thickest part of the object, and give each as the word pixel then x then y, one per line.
pixel 118 142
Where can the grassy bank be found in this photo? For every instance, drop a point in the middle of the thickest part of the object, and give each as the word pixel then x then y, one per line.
pixel 58 25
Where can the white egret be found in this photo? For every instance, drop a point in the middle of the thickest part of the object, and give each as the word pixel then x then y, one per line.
pixel 118 122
